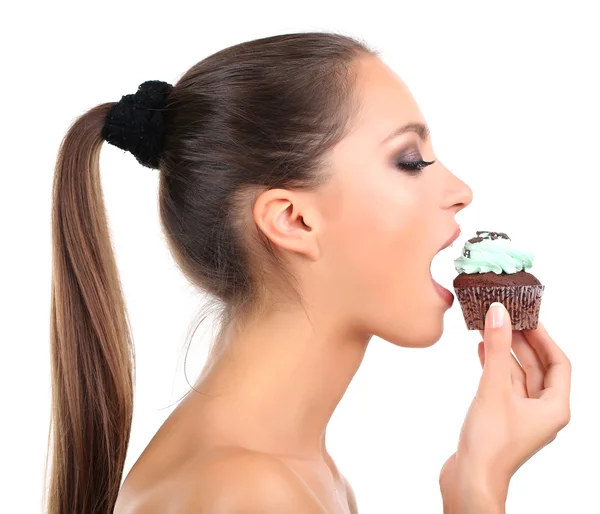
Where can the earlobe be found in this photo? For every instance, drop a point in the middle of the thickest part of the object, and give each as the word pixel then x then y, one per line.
pixel 282 217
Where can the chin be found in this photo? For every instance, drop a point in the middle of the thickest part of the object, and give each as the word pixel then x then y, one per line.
pixel 416 336
pixel 433 333
pixel 420 339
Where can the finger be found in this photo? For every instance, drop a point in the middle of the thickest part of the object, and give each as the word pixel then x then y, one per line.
pixel 497 339
pixel 530 363
pixel 481 351
pixel 547 350
pixel 517 374
pixel 558 367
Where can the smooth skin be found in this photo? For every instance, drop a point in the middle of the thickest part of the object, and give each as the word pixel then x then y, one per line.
pixel 251 436
pixel 522 402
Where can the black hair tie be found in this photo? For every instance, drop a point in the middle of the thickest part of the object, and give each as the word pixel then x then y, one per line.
pixel 136 122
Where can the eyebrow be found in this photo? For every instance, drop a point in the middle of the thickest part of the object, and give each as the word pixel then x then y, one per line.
pixel 419 128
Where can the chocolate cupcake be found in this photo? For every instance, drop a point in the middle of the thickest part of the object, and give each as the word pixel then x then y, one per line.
pixel 493 269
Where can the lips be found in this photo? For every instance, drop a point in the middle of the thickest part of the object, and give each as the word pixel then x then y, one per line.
pixel 453 238
pixel 444 293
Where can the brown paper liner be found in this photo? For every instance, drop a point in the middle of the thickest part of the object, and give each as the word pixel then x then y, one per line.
pixel 522 302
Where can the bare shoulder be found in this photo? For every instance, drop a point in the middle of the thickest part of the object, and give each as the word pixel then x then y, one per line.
pixel 242 481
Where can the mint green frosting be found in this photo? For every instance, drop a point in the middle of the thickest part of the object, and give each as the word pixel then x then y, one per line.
pixel 496 255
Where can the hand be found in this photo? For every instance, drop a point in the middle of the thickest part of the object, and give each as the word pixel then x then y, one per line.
pixel 517 410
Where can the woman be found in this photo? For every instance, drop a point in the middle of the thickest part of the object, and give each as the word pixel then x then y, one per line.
pixel 299 187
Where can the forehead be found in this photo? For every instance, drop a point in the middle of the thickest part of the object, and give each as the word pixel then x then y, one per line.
pixel 385 102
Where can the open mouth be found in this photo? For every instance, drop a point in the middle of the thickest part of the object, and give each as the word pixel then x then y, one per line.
pixel 441 269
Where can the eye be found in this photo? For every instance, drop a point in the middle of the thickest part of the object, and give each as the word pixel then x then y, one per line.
pixel 413 166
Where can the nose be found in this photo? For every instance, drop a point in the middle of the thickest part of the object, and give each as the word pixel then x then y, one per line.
pixel 459 194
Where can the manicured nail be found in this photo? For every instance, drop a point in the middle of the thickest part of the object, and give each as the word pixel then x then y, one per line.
pixel 497 314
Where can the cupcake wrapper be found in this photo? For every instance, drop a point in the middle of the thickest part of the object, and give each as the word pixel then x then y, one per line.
pixel 522 302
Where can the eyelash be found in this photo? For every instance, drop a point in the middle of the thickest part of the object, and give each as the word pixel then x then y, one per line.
pixel 414 167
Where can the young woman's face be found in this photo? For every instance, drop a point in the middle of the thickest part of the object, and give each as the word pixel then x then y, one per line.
pixel 383 224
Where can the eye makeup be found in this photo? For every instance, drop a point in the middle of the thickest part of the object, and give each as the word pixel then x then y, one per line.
pixel 412 165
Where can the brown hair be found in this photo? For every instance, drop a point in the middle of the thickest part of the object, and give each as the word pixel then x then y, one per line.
pixel 255 116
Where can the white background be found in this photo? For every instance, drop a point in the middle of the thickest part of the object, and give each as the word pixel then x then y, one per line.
pixel 511 94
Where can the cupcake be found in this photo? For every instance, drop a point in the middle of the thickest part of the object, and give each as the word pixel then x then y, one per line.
pixel 493 269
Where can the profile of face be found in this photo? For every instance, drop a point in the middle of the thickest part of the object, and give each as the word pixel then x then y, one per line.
pixel 363 243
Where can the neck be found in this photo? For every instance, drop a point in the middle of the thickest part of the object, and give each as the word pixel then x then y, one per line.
pixel 273 386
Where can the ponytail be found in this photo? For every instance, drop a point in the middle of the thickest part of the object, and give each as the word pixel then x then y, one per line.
pixel 92 354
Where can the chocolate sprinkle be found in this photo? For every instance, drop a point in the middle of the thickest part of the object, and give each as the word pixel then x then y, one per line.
pixel 490 235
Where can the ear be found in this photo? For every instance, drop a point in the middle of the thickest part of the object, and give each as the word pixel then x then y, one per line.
pixel 288 219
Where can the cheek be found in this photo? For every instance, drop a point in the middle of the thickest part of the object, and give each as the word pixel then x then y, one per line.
pixel 380 252
pixel 400 273
pixel 380 242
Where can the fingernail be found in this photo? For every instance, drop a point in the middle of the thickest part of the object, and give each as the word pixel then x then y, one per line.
pixel 497 314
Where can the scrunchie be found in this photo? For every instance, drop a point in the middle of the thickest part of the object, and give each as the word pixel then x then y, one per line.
pixel 136 122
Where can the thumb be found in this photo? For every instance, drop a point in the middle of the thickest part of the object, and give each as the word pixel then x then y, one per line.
pixel 497 342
